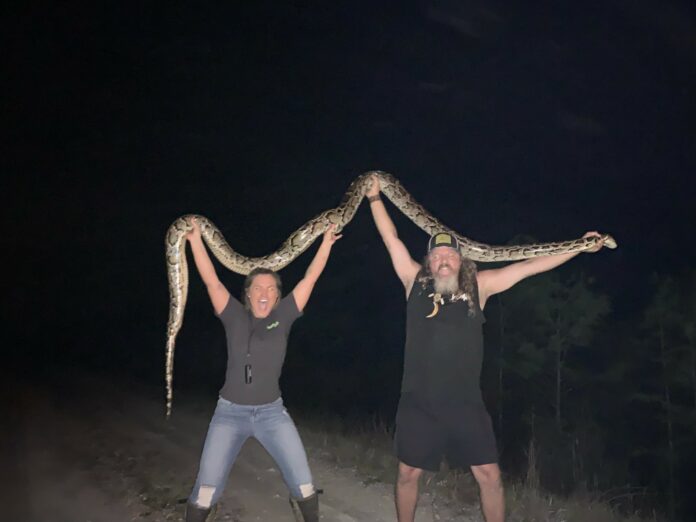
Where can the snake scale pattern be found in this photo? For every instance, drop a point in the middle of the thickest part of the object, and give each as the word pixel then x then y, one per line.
pixel 303 237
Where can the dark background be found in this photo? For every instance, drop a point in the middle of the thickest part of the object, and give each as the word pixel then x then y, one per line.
pixel 501 118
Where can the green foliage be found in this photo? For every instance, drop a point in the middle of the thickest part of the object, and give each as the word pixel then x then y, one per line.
pixel 552 315
pixel 531 360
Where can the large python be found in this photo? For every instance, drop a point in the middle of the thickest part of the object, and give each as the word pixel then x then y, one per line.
pixel 303 237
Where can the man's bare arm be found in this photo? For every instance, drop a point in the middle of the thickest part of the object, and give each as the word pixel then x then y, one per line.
pixel 498 280
pixel 404 265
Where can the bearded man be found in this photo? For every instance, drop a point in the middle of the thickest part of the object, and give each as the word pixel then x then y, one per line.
pixel 441 411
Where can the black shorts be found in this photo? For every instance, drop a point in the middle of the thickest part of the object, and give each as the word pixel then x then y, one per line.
pixel 461 433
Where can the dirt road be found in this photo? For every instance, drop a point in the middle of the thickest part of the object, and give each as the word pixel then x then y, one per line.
pixel 94 451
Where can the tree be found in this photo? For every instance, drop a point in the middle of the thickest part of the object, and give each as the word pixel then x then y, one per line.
pixel 662 319
pixel 688 325
pixel 560 315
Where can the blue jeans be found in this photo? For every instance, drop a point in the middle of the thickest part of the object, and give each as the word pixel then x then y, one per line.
pixel 231 426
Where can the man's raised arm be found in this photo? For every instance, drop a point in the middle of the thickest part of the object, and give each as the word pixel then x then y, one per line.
pixel 404 265
pixel 499 280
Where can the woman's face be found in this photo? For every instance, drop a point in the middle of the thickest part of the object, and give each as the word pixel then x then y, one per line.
pixel 263 295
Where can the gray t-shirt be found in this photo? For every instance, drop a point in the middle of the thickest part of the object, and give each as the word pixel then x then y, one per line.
pixel 260 344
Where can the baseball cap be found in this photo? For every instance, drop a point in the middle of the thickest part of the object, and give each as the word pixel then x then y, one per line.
pixel 443 239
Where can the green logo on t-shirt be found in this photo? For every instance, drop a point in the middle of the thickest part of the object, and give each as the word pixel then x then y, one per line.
pixel 272 325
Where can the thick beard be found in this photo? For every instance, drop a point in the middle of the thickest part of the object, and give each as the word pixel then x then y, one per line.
pixel 448 285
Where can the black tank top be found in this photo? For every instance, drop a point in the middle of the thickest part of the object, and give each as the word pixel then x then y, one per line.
pixel 444 353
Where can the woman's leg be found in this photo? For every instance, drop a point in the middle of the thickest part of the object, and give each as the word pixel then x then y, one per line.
pixel 275 430
pixel 229 429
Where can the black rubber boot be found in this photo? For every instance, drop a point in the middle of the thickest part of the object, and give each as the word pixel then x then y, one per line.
pixel 199 514
pixel 306 509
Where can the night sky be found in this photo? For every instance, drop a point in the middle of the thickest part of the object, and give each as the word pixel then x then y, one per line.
pixel 501 118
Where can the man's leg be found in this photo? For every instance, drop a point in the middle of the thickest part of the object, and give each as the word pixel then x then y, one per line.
pixel 491 488
pixel 407 492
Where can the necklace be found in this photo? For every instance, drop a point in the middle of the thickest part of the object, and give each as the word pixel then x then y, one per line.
pixel 439 300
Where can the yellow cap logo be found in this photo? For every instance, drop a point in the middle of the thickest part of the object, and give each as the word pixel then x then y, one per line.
pixel 443 238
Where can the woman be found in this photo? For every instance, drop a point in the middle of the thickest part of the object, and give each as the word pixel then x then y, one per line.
pixel 250 404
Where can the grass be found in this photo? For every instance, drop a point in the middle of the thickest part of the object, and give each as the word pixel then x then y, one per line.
pixel 368 450
pixel 530 504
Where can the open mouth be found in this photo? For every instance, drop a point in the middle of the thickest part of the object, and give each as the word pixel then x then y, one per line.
pixel 263 304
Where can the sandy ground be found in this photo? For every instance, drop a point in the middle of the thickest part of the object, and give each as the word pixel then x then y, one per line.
pixel 99 452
